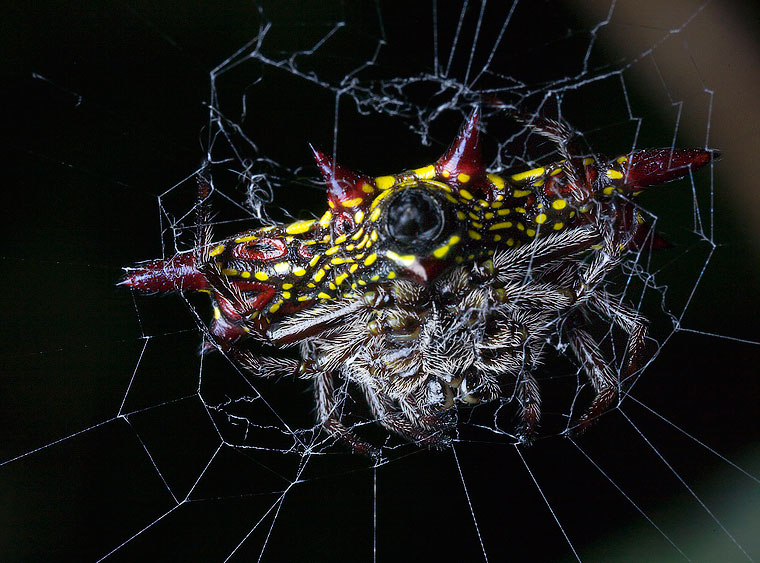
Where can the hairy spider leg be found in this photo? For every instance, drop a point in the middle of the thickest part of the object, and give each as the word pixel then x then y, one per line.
pixel 603 379
pixel 327 413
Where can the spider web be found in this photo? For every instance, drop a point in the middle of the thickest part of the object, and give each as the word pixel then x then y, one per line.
pixel 121 442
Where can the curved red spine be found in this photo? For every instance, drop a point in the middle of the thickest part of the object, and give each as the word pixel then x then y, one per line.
pixel 176 274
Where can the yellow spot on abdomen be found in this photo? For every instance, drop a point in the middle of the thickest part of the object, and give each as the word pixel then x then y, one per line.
pixel 442 251
pixel 425 173
pixel 380 197
pixel 520 193
pixel 464 178
pixel 404 260
pixel 385 182
pixel 298 227
pixel 353 202
pixel 339 261
pixel 540 218
pixel 217 251
pixel 529 174
pixel 497 181
pixel 614 174
pixel 499 226
pixel 559 204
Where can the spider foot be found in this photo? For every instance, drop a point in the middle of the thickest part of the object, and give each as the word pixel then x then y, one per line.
pixel 601 404
pixel 348 437
pixel 530 417
pixel 428 431
pixel 526 433
pixel 370 451
pixel 438 441
pixel 529 399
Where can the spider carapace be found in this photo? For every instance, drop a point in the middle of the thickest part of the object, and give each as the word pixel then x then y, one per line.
pixel 433 287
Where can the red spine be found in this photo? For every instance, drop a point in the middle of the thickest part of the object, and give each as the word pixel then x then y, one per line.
pixel 177 274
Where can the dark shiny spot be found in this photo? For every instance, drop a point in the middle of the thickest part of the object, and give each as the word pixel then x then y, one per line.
pixel 415 219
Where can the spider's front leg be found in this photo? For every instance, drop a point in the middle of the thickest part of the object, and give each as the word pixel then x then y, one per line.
pixel 426 427
pixel 528 396
pixel 628 319
pixel 329 417
pixel 603 379
pixel 606 383
pixel 205 263
pixel 430 432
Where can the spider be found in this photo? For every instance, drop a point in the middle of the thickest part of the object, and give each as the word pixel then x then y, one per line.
pixel 433 287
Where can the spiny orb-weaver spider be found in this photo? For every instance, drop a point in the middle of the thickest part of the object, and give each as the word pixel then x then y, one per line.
pixel 433 286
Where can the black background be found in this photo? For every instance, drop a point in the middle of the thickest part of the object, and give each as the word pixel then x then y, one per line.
pixel 107 111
